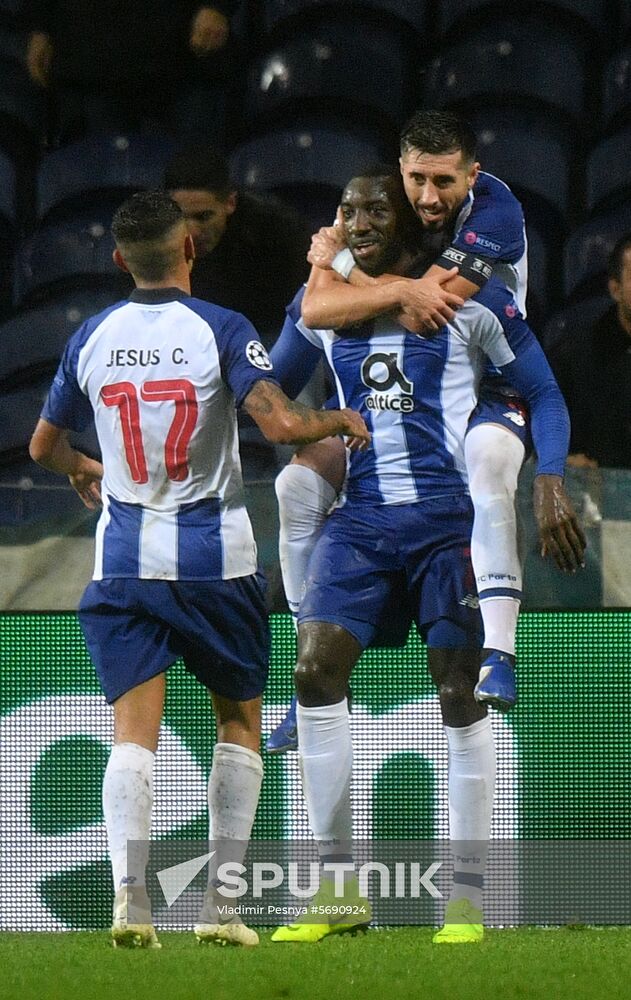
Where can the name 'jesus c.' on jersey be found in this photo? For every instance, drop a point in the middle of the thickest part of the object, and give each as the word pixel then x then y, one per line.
pixel 161 374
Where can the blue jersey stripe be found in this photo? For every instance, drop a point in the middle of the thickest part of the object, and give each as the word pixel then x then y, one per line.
pixel 121 542
pixel 199 548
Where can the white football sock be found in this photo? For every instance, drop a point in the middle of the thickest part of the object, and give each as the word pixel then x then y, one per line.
pixel 326 759
pixel 472 766
pixel 127 804
pixel 494 458
pixel 234 788
pixel 304 500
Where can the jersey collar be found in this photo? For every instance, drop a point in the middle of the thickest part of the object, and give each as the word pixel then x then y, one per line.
pixel 154 296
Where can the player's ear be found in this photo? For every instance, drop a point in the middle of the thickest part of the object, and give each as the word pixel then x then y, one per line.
pixel 231 202
pixel 189 249
pixel 473 173
pixel 119 260
pixel 614 289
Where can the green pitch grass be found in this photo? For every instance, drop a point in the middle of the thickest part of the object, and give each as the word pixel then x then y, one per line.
pixel 582 964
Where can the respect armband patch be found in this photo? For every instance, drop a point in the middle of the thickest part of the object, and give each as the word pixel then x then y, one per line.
pixel 475 269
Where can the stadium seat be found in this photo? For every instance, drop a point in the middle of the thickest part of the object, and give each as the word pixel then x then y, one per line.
pixel 593 16
pixel 532 155
pixel 320 71
pixel 22 112
pixel 32 341
pixel 305 166
pixel 100 170
pixel 7 193
pixel 19 413
pixel 588 248
pixel 11 7
pixel 275 12
pixel 539 276
pixel 573 317
pixel 608 171
pixel 76 253
pixel 516 59
pixel 616 102
pixel 32 495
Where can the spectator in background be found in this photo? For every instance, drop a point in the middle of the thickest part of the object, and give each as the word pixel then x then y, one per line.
pixel 114 65
pixel 594 374
pixel 251 252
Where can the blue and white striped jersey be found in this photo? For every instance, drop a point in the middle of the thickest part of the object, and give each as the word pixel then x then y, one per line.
pixel 490 224
pixel 416 394
pixel 162 375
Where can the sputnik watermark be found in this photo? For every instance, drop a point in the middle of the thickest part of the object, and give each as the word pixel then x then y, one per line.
pixel 399 880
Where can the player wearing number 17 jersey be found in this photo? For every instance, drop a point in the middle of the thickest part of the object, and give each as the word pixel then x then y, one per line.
pixel 175 568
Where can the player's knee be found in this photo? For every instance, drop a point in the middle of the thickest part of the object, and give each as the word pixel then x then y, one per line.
pixel 454 660
pixel 455 691
pixel 285 486
pixel 493 465
pixel 312 680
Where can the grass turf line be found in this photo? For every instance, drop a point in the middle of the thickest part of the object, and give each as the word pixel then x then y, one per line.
pixel 394 963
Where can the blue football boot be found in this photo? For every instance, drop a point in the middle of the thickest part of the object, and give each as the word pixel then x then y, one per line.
pixel 497 685
pixel 285 736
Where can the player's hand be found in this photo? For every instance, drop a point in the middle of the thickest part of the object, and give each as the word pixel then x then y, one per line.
pixel 325 245
pixel 560 534
pixel 87 482
pixel 209 31
pixel 39 57
pixel 356 434
pixel 427 305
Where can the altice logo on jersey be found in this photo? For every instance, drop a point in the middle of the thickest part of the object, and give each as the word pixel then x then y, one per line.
pixel 381 373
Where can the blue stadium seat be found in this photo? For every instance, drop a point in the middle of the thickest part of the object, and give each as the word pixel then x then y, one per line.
pixel 540 290
pixel 76 253
pixel 306 166
pixel 31 495
pixel 572 318
pixel 608 171
pixel 11 7
pixel 8 206
pixel 594 16
pixel 100 169
pixel 616 102
pixel 32 341
pixel 22 111
pixel 19 412
pixel 532 155
pixel 320 70
pixel 588 248
pixel 275 12
pixel 515 58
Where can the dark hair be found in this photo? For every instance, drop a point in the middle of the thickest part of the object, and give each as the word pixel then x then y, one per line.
pixel 145 217
pixel 199 168
pixel 438 132
pixel 140 227
pixel 614 264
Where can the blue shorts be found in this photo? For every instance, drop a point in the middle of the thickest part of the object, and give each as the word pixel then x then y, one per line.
pixel 510 412
pixel 135 629
pixel 417 555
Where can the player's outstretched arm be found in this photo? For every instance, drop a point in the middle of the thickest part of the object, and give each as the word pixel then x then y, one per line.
pixel 283 421
pixel 330 301
pixel 50 447
pixel 560 534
